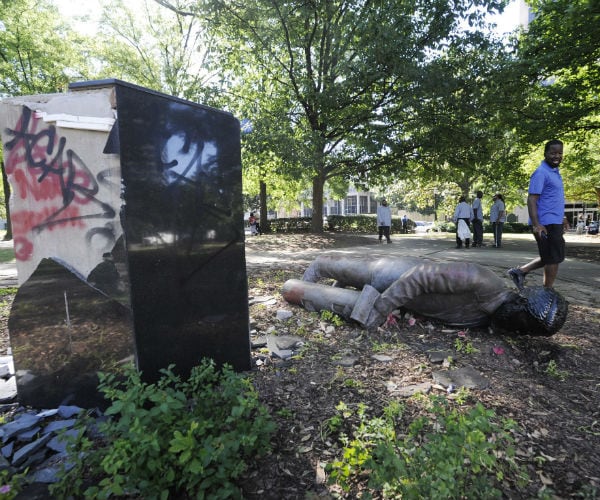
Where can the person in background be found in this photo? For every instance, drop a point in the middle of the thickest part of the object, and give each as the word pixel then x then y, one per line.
pixel 463 212
pixel 498 218
pixel 254 225
pixel 405 224
pixel 580 224
pixel 546 206
pixel 494 217
pixel 384 221
pixel 477 220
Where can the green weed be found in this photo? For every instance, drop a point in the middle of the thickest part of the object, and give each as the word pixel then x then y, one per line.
pixel 465 347
pixel 381 346
pixel 332 318
pixel 554 372
pixel 448 454
pixel 11 484
pixel 353 383
pixel 285 413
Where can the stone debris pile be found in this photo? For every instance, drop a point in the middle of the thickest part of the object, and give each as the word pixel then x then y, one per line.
pixel 37 440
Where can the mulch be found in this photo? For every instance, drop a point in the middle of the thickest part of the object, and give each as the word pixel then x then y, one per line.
pixel 549 386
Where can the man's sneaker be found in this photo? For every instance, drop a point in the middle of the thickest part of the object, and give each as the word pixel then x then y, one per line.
pixel 518 277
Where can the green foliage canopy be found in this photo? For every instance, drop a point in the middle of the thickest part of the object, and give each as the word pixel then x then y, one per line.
pixel 352 71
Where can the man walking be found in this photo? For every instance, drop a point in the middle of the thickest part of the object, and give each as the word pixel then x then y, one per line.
pixel 463 212
pixel 477 220
pixel 546 206
pixel 384 221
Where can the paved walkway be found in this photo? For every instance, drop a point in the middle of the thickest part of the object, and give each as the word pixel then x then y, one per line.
pixel 578 280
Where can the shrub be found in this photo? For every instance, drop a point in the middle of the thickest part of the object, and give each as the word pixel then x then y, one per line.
pixel 363 224
pixel 447 455
pixel 290 225
pixel 170 438
pixel 367 223
pixel 446 226
pixel 353 223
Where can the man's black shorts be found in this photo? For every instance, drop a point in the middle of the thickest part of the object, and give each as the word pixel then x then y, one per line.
pixel 552 246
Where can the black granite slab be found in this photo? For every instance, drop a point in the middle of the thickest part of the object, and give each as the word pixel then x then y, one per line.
pixel 183 222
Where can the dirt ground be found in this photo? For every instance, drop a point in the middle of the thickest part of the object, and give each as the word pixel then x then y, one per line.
pixel 549 386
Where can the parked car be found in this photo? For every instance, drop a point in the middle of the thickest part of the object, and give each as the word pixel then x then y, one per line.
pixel 423 226
pixel 593 227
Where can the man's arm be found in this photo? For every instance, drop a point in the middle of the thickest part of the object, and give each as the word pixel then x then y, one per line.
pixel 532 203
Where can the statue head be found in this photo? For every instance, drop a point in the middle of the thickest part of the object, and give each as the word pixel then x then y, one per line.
pixel 534 310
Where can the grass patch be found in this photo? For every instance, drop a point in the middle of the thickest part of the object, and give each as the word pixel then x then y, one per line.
pixel 7 255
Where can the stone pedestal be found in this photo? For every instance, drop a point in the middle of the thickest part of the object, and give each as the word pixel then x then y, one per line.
pixel 127 219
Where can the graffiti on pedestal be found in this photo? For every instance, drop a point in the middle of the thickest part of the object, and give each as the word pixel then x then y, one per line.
pixel 61 190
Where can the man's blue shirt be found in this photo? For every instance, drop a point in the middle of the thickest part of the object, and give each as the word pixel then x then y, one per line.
pixel 547 182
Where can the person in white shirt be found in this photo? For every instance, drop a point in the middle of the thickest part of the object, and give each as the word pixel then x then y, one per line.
pixel 498 218
pixel 463 212
pixel 384 221
pixel 478 220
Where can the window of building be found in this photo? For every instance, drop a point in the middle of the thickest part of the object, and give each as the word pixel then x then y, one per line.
pixel 373 205
pixel 364 204
pixel 351 205
pixel 336 207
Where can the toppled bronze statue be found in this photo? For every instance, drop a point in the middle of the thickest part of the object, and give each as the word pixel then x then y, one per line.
pixel 456 293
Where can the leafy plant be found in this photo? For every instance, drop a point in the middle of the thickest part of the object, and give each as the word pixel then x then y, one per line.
pixel 462 395
pixel 332 318
pixel 353 383
pixel 449 454
pixel 553 371
pixel 10 484
pixel 464 346
pixel 171 437
pixel 333 424
pixel 285 413
pixel 381 346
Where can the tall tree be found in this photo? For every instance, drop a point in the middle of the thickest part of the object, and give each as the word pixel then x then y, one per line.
pixel 559 60
pixel 344 63
pixel 553 87
pixel 37 56
pixel 462 140
pixel 165 50
pixel 36 48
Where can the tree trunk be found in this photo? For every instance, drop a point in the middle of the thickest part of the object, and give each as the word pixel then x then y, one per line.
pixel 317 198
pixel 264 222
pixel 5 183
